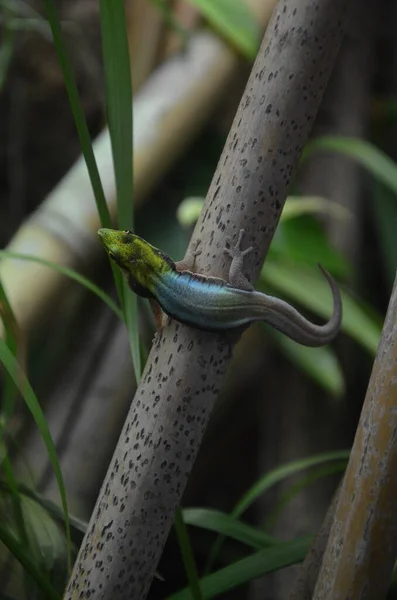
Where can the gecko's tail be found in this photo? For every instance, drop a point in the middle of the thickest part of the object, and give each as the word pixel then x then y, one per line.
pixel 286 319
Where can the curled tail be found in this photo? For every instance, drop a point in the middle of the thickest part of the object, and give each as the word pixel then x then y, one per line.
pixel 286 319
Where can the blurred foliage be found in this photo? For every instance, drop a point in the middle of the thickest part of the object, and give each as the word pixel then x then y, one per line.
pixel 234 21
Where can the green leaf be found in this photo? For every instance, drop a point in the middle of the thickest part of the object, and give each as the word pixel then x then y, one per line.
pixel 187 556
pixel 189 210
pixel 222 523
pixel 298 240
pixel 44 541
pixel 321 364
pixel 15 513
pixel 33 405
pixel 247 569
pixel 234 21
pixel 304 482
pixel 296 206
pixel 276 475
pixel 68 273
pixel 270 479
pixel 116 61
pixel 118 103
pixel 22 555
pixel 311 290
pixel 49 506
pixel 368 155
pixel 15 499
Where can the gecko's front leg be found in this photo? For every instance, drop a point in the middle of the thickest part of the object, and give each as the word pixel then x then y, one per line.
pixel 187 263
pixel 237 278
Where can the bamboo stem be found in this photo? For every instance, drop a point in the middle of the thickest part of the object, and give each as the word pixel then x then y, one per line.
pixel 362 545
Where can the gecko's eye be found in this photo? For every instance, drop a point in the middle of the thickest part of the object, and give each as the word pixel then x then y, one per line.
pixel 113 256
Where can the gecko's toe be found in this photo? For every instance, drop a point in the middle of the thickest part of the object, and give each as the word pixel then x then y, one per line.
pixel 240 237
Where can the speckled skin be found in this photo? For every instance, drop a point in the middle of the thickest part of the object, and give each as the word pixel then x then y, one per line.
pixel 207 303
pixel 185 368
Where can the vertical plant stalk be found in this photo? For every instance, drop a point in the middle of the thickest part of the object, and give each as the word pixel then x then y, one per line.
pixel 362 544
pixel 117 68
pixel 174 400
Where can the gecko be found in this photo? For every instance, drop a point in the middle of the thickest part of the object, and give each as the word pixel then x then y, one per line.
pixel 211 303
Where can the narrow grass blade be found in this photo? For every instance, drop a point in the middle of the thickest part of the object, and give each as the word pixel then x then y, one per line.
pixel 78 112
pixel 263 484
pixel 120 121
pixel 247 569
pixel 304 482
pixel 15 499
pixel 276 475
pixel 82 128
pixel 68 273
pixel 21 381
pixel 187 556
pixel 222 523
pixel 11 337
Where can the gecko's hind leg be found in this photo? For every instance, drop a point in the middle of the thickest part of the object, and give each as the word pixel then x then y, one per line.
pixel 187 263
pixel 158 314
pixel 237 278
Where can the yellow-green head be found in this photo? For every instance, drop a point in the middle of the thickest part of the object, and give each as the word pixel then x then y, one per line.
pixel 140 262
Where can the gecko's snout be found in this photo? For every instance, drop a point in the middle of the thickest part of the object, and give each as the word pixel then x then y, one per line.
pixel 116 246
pixel 109 237
pixel 104 234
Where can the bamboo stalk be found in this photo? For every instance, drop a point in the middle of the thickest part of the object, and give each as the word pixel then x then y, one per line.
pixel 362 544
pixel 174 400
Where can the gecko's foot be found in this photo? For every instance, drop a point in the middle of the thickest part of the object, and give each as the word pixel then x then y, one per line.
pixel 195 251
pixel 236 276
pixel 187 264
pixel 235 251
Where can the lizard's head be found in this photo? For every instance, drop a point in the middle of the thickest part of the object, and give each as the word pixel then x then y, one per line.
pixel 139 261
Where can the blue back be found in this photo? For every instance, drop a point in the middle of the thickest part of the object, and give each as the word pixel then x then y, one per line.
pixel 202 303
